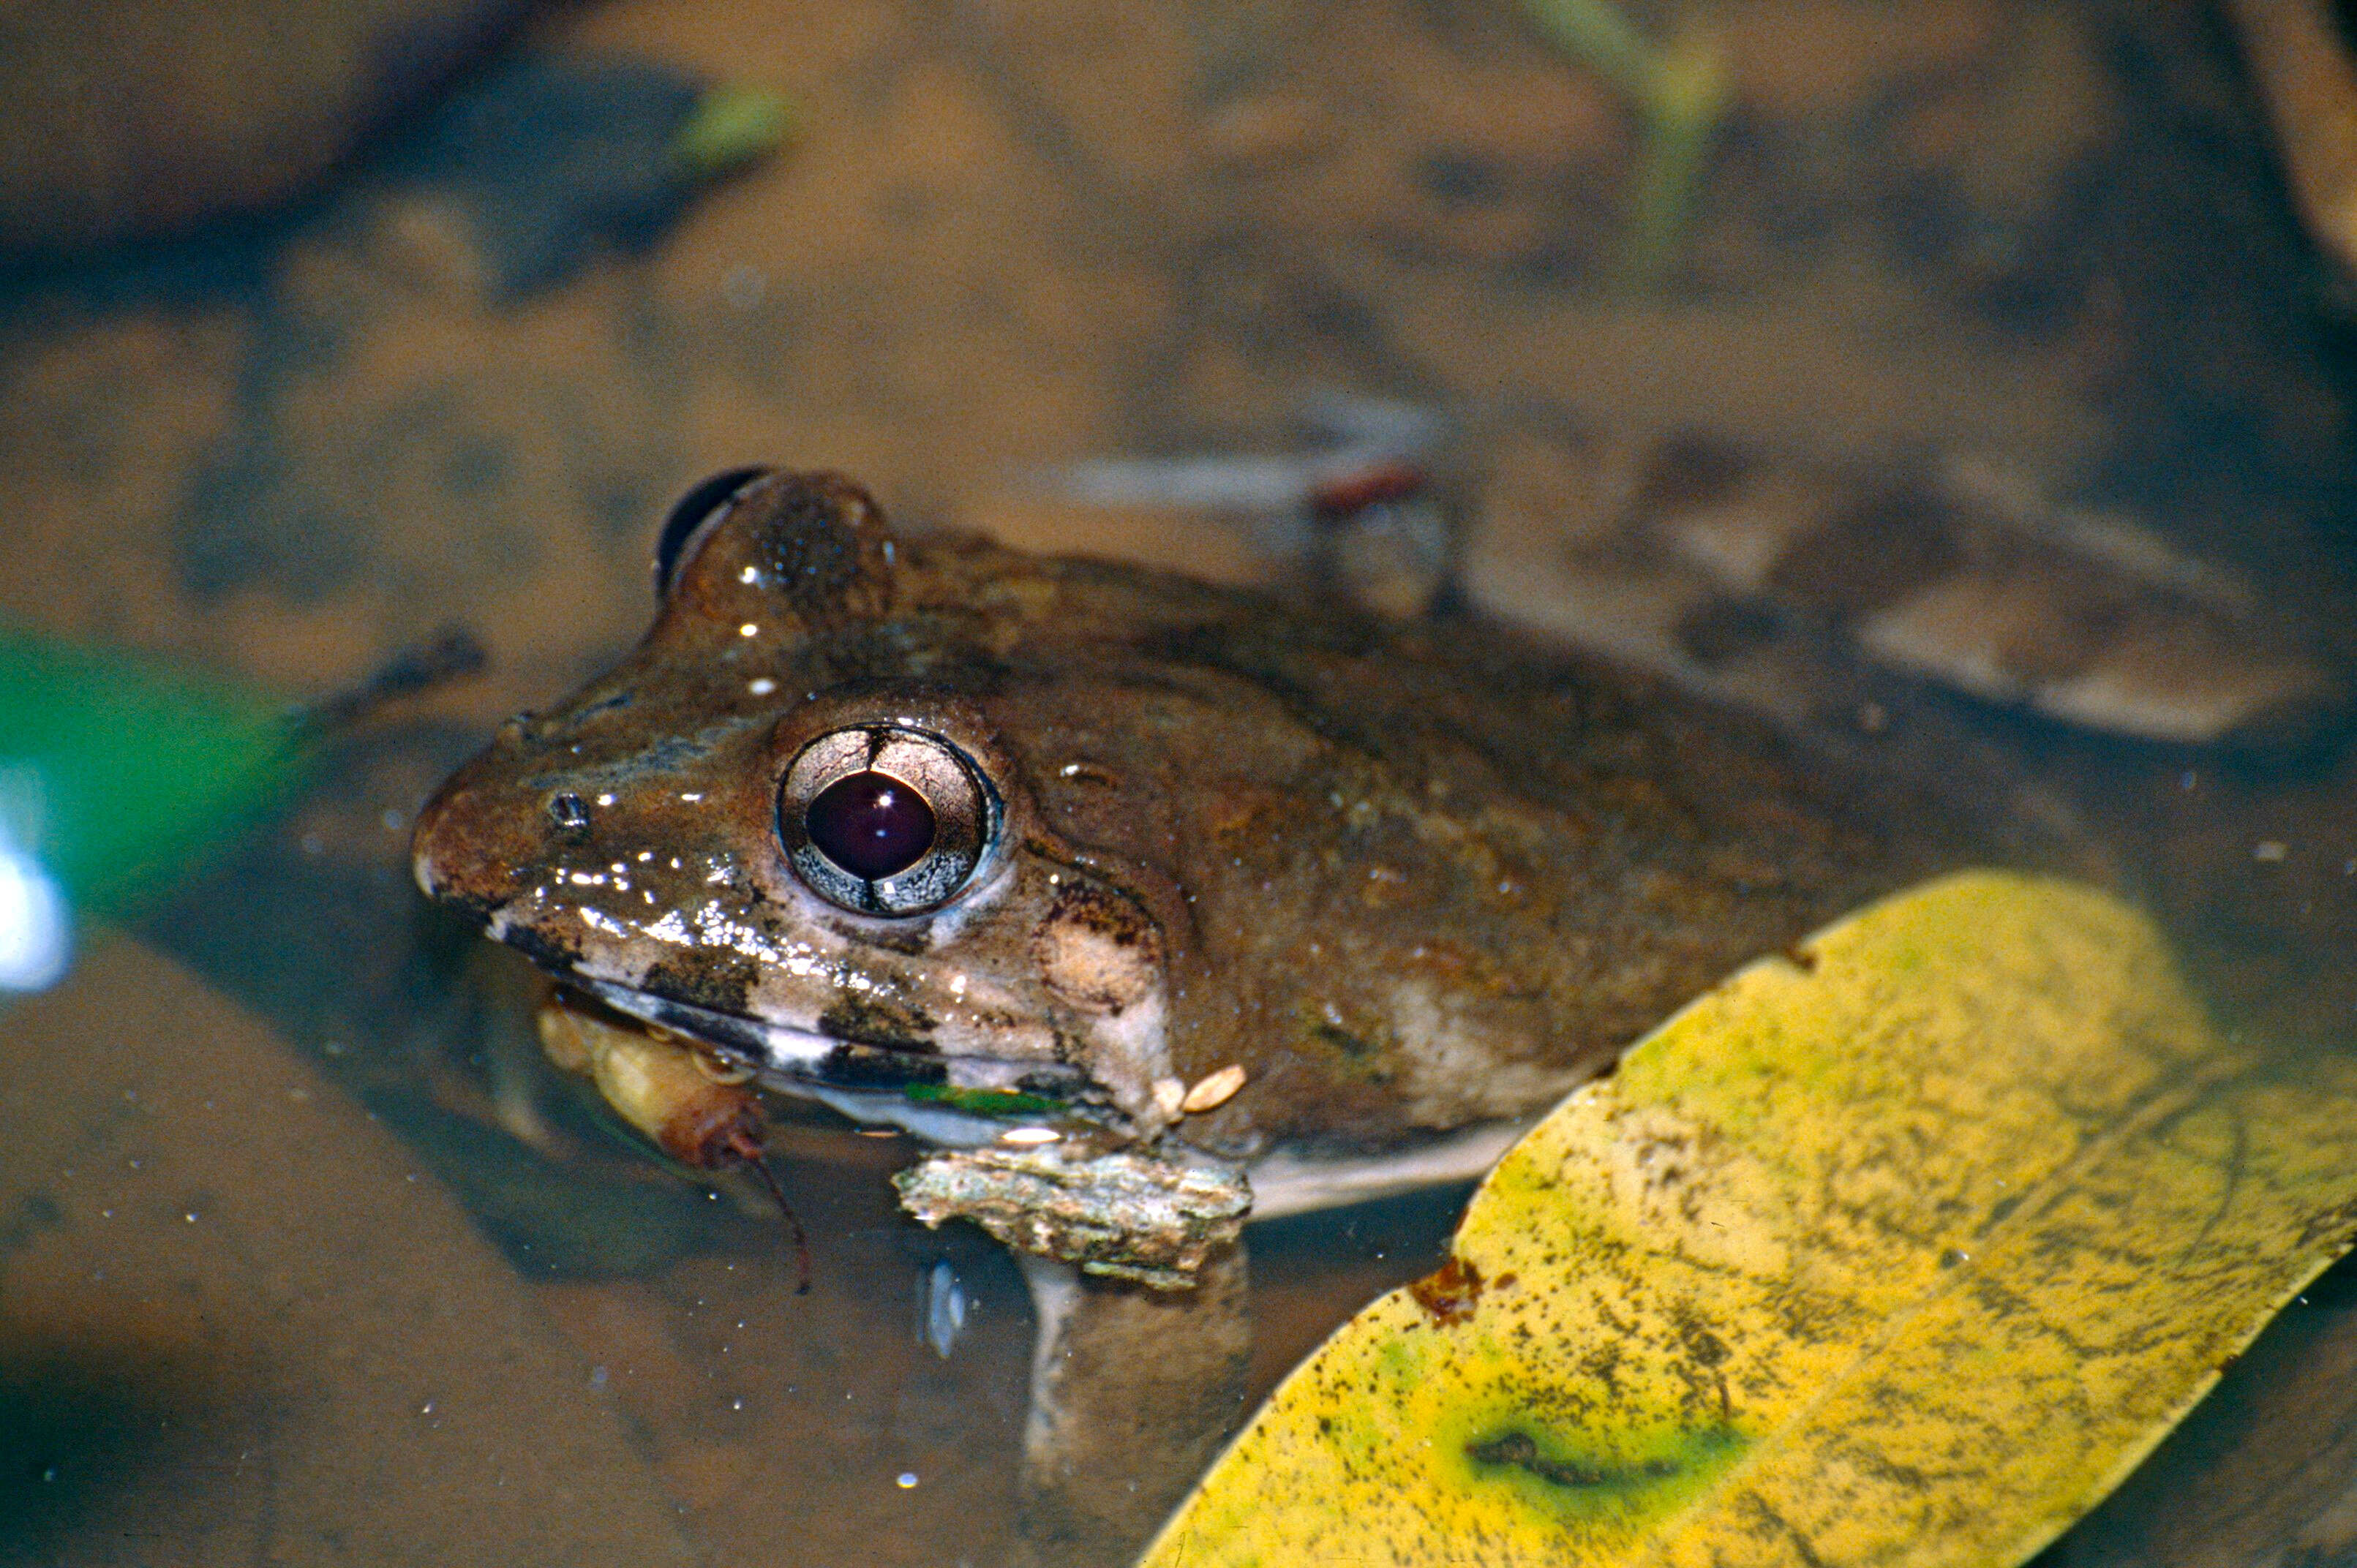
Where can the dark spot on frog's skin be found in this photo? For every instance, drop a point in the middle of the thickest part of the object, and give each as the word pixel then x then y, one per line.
pixel 540 948
pixel 911 939
pixel 720 981
pixel 1362 1058
pixel 862 1066
pixel 868 1021
pixel 1450 1293
pixel 1113 916
pixel 1801 958
pixel 622 699
pixel 657 763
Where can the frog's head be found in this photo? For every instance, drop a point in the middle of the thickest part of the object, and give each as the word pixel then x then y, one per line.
pixel 789 824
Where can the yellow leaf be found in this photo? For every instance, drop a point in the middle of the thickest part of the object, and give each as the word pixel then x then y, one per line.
pixel 1903 1253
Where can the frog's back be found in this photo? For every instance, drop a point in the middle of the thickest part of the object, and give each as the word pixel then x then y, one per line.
pixel 1420 875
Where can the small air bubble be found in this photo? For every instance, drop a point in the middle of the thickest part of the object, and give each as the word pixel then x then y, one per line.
pixel 905 1480
pixel 760 685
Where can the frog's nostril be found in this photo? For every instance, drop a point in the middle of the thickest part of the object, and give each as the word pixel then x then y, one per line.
pixel 569 815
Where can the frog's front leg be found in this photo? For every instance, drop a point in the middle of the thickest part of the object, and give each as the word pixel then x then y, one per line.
pixel 1136 1265
pixel 1133 1392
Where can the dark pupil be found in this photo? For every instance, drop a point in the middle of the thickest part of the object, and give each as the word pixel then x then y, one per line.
pixel 871 825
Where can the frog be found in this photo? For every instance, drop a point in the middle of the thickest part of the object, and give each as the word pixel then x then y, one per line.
pixel 1146 906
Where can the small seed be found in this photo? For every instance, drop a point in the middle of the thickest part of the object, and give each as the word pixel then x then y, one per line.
pixel 1210 1093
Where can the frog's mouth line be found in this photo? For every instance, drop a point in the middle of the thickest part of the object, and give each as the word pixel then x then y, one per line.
pixel 862 1081
pixel 771 1046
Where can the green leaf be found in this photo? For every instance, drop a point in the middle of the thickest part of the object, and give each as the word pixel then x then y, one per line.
pixel 118 771
pixel 1902 1253
pixel 731 126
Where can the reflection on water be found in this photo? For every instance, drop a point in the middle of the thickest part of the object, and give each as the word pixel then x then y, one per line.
pixel 305 1255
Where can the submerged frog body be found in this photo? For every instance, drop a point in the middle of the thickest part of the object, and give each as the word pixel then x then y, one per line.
pixel 918 826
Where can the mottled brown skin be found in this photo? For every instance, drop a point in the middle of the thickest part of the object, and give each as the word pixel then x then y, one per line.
pixel 1410 877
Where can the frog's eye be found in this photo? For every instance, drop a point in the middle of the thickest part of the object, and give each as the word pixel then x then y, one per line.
pixel 708 502
pixel 885 820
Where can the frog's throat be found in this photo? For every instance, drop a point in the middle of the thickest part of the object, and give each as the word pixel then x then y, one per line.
pixel 851 1077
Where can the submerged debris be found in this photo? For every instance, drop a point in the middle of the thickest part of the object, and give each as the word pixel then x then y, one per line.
pixel 941 1307
pixel 1713 563
pixel 1355 508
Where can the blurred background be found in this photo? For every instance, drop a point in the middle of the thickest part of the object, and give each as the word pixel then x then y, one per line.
pixel 1968 380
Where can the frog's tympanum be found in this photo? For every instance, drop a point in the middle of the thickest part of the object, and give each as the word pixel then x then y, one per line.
pixel 1116 886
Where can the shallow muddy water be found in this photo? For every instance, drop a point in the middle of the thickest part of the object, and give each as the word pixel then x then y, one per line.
pixel 305 1255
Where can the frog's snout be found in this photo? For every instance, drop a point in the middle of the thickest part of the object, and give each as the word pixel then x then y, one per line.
pixel 429 846
pixel 458 852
